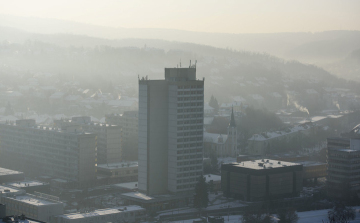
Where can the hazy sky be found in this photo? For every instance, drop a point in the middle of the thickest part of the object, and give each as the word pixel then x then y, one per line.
pixel 230 16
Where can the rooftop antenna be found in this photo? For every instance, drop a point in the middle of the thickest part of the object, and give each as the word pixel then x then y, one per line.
pixel 190 64
pixel 195 63
pixel 180 62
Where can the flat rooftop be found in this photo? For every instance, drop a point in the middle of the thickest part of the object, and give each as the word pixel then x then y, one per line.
pixel 34 200
pixel 9 190
pixel 27 183
pixel 112 166
pixel 100 212
pixel 261 164
pixel 4 171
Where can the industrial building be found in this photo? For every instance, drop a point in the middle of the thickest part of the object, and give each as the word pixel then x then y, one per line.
pixel 261 179
pixel 171 113
pixel 67 153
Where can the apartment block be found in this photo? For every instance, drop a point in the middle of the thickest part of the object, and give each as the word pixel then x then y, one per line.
pixel 108 137
pixel 67 153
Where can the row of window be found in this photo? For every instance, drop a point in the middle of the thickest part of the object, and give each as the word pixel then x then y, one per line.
pixel 189 127
pixel 190 139
pixel 190 116
pixel 190 110
pixel 189 145
pixel 190 133
pixel 189 98
pixel 189 151
pixel 186 180
pixel 189 92
pixel 190 122
pixel 190 104
pixel 182 169
pixel 190 87
pixel 189 174
pixel 185 163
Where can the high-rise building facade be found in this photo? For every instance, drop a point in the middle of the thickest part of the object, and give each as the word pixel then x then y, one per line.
pixel 67 153
pixel 171 115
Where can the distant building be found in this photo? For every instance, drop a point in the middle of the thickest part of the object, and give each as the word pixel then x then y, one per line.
pixel 67 153
pixel 128 214
pixel 7 175
pixel 263 143
pixel 171 114
pixel 108 137
pixel 261 179
pixel 40 207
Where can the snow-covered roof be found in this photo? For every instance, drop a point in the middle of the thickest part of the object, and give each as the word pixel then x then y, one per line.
pixel 269 135
pixel 101 212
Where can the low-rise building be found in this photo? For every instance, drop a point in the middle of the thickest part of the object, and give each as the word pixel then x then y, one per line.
pixel 261 179
pixel 40 207
pixel 129 214
pixel 119 172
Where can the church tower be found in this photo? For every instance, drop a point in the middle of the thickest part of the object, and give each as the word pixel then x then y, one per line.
pixel 232 136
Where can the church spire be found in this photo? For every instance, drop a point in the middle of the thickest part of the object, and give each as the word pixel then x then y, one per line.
pixel 232 121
